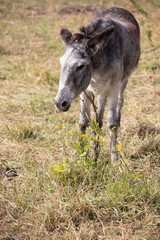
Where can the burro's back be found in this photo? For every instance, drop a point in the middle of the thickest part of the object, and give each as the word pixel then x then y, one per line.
pixel 98 62
pixel 124 46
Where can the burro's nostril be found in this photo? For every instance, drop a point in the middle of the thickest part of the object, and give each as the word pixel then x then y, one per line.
pixel 64 104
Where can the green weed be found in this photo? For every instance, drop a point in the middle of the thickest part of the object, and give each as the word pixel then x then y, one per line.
pixel 149 35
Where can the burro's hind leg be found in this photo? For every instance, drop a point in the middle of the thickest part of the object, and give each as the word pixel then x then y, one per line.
pixel 115 103
pixel 113 122
pixel 120 97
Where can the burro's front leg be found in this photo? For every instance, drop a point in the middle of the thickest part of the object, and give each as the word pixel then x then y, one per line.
pixel 87 99
pixel 113 122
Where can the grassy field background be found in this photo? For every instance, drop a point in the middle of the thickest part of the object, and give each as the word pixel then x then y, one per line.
pixel 57 194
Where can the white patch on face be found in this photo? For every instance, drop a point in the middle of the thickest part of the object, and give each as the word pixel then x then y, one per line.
pixel 68 58
pixel 67 62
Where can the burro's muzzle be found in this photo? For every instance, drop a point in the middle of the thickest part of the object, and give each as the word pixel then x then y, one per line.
pixel 63 99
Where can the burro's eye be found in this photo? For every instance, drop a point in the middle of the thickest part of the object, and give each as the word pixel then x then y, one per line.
pixel 80 67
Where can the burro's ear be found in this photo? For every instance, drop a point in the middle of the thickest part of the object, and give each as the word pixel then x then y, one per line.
pixel 66 36
pixel 99 41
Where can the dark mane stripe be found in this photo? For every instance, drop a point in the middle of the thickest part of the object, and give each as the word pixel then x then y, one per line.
pixel 86 32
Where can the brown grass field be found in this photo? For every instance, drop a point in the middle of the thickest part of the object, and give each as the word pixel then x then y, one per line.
pixel 57 194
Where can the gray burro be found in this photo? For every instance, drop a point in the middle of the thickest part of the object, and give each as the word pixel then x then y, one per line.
pixel 98 62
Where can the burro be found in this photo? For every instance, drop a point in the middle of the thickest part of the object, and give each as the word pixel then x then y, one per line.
pixel 98 62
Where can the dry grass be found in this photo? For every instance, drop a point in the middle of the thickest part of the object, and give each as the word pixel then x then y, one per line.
pixel 56 194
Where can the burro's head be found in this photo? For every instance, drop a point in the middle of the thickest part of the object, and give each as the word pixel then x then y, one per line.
pixel 76 65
